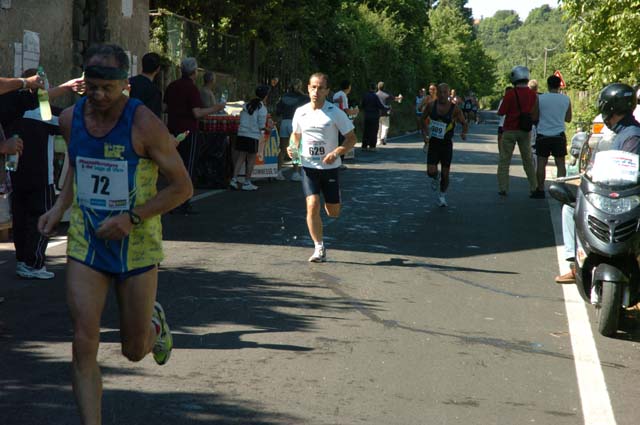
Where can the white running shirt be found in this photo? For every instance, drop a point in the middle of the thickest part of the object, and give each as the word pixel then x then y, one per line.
pixel 319 133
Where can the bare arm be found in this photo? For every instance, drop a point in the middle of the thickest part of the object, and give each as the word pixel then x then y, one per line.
pixel 150 135
pixel 568 114
pixel 11 84
pixel 535 112
pixel 75 85
pixel 459 116
pixel 203 112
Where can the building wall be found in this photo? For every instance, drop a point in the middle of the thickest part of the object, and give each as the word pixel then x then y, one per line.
pixel 65 32
pixel 52 20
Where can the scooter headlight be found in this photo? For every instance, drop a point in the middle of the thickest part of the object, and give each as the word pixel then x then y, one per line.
pixel 613 205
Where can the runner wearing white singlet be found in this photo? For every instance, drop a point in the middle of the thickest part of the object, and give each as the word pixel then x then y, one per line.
pixel 317 124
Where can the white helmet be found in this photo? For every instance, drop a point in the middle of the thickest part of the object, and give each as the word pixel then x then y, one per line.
pixel 519 73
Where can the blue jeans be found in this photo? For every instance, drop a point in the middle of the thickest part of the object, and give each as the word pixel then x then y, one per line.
pixel 569 233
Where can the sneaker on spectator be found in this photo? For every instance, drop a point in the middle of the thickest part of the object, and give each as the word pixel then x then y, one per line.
pixel 280 177
pixel 30 273
pixel 249 186
pixel 296 177
pixel 164 341
pixel 425 147
pixel 20 266
pixel 233 184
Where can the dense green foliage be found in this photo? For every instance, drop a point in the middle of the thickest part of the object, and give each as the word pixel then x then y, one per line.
pixel 511 42
pixel 364 41
pixel 604 40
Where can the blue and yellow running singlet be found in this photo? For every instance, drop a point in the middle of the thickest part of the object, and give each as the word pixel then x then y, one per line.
pixel 110 178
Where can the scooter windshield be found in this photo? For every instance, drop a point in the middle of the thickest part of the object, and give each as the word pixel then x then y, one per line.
pixel 612 167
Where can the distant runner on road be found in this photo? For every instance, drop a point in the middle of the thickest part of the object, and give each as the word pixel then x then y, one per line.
pixel 316 126
pixel 440 119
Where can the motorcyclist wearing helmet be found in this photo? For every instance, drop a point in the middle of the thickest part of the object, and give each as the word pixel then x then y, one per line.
pixel 517 104
pixel 616 102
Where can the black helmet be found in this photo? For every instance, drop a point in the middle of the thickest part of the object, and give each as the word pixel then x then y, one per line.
pixel 616 98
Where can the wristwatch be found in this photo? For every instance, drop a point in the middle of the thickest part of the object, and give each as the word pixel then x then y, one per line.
pixel 24 83
pixel 134 218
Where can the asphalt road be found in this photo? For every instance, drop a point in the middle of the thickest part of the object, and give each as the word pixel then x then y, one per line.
pixel 422 315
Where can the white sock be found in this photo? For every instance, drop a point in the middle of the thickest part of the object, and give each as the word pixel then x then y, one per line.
pixel 319 245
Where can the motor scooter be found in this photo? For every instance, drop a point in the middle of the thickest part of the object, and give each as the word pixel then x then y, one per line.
pixel 607 218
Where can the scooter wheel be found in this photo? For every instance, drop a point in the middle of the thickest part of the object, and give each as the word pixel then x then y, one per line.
pixel 608 313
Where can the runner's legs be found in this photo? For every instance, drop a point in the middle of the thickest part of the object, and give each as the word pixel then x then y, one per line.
pixel 136 296
pixel 314 221
pixel 86 294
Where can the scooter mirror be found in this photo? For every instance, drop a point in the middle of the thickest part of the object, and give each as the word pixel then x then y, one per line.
pixel 562 193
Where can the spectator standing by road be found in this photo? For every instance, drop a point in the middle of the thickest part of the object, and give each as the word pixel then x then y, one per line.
pixel 517 103
pixel 253 121
pixel 286 107
pixel 372 108
pixel 32 185
pixel 420 97
pixel 385 114
pixel 184 109
pixel 555 110
pixel 143 87
pixel 206 91
pixel 117 146
pixel 273 98
pixel 316 125
pixel 342 100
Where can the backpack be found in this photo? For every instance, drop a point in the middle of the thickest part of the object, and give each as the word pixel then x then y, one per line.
pixel 525 122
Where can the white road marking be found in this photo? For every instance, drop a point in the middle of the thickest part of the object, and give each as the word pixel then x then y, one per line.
pixel 594 396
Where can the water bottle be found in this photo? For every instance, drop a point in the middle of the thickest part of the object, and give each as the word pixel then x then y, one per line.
pixel 295 153
pixel 43 96
pixel 224 96
pixel 11 161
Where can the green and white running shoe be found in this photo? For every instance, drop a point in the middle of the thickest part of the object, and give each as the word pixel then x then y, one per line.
pixel 164 341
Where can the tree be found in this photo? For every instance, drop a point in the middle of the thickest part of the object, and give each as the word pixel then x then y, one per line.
pixel 604 38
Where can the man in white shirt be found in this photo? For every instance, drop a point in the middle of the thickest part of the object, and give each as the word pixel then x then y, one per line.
pixel 316 126
pixel 555 110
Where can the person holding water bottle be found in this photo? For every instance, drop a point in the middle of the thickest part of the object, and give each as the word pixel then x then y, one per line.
pixel 315 130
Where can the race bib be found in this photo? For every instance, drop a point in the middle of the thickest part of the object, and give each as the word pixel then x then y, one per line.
pixel 438 129
pixel 102 184
pixel 315 152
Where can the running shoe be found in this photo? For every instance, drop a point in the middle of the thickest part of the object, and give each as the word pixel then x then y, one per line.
pixel 20 266
pixel 296 177
pixel 442 201
pixel 537 194
pixel 249 186
pixel 280 177
pixel 233 184
pixel 425 147
pixel 319 255
pixel 164 341
pixel 30 273
pixel 435 182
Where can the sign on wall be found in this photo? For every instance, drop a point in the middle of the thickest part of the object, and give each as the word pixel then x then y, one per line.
pixel 127 8
pixel 30 49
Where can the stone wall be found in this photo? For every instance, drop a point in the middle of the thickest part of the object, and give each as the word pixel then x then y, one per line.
pixel 68 27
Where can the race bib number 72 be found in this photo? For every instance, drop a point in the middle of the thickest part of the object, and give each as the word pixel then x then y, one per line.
pixel 102 184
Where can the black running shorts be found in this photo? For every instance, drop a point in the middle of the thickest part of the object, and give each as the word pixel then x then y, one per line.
pixel 440 151
pixel 551 145
pixel 327 182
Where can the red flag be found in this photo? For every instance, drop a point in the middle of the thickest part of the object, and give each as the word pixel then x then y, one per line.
pixel 559 75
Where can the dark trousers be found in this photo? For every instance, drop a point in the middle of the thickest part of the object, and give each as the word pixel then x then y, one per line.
pixel 26 208
pixel 370 136
pixel 188 150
